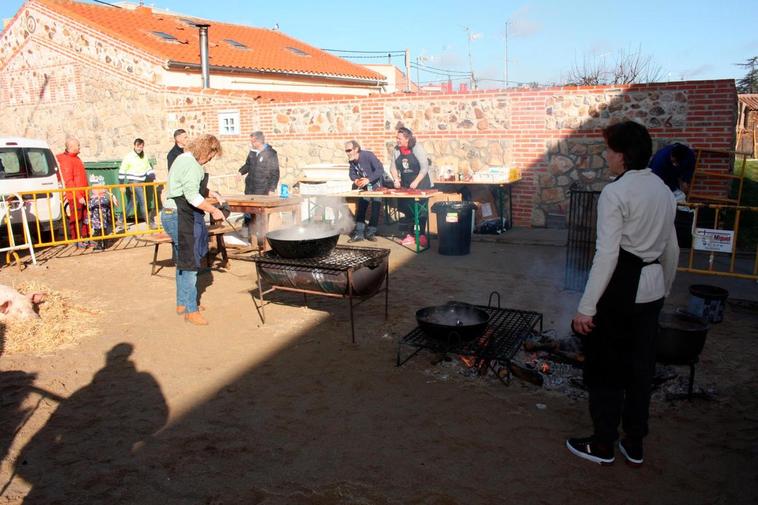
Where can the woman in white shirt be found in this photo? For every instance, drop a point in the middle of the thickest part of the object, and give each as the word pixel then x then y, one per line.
pixel 632 271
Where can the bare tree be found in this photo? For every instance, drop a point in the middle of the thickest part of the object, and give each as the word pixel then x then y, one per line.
pixel 591 72
pixel 626 68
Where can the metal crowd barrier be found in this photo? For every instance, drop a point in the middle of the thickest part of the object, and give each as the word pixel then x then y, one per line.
pixel 49 215
pixel 9 204
pixel 711 233
pixel 707 256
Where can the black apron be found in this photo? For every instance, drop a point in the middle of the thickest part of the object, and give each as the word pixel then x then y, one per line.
pixel 408 167
pixel 193 233
pixel 611 338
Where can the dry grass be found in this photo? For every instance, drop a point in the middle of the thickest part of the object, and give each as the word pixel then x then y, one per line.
pixel 62 323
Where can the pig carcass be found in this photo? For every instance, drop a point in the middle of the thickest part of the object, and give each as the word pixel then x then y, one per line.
pixel 14 305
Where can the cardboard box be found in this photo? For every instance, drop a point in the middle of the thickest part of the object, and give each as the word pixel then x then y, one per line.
pixel 487 205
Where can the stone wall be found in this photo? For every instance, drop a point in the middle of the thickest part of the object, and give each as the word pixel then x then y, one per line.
pixel 652 108
pixel 316 118
pixel 61 97
pixel 452 114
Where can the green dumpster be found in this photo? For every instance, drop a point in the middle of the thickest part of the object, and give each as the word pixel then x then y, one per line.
pixel 106 172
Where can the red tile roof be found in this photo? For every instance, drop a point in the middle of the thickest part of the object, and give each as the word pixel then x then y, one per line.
pixel 267 50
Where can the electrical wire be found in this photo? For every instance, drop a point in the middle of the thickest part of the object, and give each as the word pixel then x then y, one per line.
pixel 463 74
pixel 363 52
pixel 421 66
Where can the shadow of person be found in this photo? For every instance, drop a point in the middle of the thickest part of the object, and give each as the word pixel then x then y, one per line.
pixel 88 450
pixel 14 388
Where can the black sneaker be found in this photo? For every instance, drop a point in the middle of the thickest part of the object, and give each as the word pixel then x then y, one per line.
pixel 355 237
pixel 632 451
pixel 591 450
pixel 371 237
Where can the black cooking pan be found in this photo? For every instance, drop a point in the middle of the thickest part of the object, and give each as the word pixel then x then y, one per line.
pixel 453 321
pixel 303 241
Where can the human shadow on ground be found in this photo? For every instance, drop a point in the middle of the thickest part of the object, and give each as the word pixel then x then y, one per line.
pixel 88 450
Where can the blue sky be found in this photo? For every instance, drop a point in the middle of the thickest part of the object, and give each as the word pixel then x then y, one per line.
pixel 694 39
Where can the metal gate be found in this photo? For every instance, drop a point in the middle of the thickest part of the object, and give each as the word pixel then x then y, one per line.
pixel 582 218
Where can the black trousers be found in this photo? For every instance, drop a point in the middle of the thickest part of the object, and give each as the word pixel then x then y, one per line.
pixel 360 213
pixel 618 372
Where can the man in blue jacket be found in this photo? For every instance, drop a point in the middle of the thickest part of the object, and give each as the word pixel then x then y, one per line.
pixel 675 164
pixel 366 172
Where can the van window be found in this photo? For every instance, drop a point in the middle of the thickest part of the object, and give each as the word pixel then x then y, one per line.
pixel 41 162
pixel 11 161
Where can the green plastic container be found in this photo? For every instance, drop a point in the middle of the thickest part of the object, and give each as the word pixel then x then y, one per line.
pixel 108 170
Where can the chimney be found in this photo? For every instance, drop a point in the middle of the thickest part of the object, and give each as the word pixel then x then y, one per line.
pixel 203 30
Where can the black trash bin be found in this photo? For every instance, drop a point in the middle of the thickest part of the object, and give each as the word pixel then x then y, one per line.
pixel 454 227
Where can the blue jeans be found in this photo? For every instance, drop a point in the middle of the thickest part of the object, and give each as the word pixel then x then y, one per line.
pixel 186 289
pixel 186 280
pixel 139 197
pixel 170 223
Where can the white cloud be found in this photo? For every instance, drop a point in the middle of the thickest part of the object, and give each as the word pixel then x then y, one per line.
pixel 521 25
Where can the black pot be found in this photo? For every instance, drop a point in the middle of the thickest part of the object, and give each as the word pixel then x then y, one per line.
pixel 681 337
pixel 454 321
pixel 303 241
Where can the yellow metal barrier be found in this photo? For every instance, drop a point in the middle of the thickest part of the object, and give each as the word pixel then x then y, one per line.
pixel 743 265
pixel 51 216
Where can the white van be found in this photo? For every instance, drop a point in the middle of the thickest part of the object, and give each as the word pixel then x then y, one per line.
pixel 29 165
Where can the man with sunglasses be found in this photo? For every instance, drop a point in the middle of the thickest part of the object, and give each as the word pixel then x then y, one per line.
pixel 366 172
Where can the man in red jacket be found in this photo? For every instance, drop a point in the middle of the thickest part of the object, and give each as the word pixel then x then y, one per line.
pixel 73 175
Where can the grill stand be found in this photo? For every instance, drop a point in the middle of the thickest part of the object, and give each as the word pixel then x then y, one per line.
pixel 260 303
pixel 501 340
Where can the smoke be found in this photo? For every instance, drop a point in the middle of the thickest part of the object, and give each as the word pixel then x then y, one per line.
pixel 331 211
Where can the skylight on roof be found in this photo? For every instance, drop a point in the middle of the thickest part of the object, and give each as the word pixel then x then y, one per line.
pixel 297 51
pixel 234 43
pixel 166 36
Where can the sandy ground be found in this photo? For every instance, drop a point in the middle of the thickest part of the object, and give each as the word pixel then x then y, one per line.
pixel 155 410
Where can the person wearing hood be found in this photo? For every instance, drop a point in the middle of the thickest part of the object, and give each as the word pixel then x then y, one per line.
pixel 136 169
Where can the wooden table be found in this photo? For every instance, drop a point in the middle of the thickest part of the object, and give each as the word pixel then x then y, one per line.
pixel 503 187
pixel 261 207
pixel 420 204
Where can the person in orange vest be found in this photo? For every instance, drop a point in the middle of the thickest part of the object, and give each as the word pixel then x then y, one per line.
pixel 73 175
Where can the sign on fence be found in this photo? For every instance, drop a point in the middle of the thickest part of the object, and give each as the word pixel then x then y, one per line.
pixel 706 239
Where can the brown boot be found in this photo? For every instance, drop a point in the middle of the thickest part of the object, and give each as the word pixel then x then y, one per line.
pixel 195 318
pixel 181 309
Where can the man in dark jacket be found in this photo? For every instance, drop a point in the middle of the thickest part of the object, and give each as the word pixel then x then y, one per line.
pixel 180 142
pixel 261 167
pixel 366 172
pixel 675 164
pixel 261 171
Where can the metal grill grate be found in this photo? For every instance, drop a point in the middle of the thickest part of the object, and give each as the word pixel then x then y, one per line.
pixel 340 259
pixel 506 331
